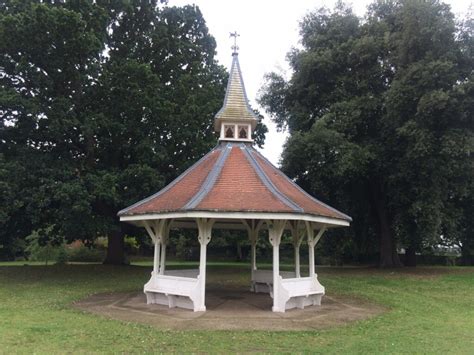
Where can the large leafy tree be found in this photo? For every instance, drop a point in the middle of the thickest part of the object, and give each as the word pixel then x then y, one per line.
pixel 50 56
pixel 160 89
pixel 102 103
pixel 380 119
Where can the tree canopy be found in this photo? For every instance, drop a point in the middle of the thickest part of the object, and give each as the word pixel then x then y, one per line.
pixel 380 115
pixel 102 103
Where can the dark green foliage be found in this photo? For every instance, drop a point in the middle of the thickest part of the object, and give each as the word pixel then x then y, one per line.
pixel 62 257
pixel 102 103
pixel 40 248
pixel 381 120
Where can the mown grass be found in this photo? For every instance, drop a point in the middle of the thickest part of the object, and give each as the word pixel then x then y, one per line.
pixel 429 310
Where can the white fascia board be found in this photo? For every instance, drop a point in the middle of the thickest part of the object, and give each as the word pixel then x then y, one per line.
pixel 238 215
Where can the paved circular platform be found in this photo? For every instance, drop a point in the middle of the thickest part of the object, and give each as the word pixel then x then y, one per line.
pixel 229 309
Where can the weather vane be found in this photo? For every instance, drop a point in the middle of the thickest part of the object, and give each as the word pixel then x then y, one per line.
pixel 235 48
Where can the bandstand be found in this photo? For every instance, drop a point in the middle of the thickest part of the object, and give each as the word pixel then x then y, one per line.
pixel 234 187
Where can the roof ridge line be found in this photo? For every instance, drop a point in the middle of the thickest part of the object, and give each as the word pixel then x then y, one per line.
pixel 169 186
pixel 268 183
pixel 303 191
pixel 210 179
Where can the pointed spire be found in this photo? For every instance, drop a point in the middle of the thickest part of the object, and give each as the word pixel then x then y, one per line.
pixel 236 109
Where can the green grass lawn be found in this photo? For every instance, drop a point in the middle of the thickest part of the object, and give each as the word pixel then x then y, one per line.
pixel 429 310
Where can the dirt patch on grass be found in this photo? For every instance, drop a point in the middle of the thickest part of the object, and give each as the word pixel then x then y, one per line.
pixel 230 309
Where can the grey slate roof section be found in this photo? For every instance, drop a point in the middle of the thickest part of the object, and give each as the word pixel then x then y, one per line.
pixel 303 191
pixel 166 188
pixel 267 182
pixel 210 179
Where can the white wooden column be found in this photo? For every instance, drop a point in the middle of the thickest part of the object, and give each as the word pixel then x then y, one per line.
pixel 253 253
pixel 164 242
pixel 156 257
pixel 297 239
pixel 253 227
pixel 204 237
pixel 157 243
pixel 312 241
pixel 275 231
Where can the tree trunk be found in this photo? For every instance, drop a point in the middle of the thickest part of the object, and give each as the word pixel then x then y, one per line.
pixel 239 251
pixel 410 257
pixel 388 251
pixel 467 258
pixel 115 248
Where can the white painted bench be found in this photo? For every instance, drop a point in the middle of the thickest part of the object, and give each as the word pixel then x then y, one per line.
pixel 299 292
pixel 262 280
pixel 192 273
pixel 174 291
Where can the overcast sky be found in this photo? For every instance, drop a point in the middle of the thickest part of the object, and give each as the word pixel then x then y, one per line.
pixel 268 29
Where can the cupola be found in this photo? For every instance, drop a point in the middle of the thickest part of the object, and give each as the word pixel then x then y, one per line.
pixel 235 121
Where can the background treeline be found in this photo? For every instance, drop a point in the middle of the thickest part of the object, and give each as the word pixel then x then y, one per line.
pixel 380 115
pixel 103 103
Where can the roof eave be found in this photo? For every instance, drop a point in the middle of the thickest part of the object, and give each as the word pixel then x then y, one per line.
pixel 327 221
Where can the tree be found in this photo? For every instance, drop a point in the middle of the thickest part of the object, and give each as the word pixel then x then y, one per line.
pixel 104 103
pixel 163 113
pixel 376 110
pixel 49 58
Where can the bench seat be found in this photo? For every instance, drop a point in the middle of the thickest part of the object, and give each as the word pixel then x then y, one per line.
pixel 295 292
pixel 173 290
pixel 302 292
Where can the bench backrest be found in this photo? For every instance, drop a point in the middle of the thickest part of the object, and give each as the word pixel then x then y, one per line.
pixel 175 284
pixel 266 276
pixel 192 273
pixel 300 286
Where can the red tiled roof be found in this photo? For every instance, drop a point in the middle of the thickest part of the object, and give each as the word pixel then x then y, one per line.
pixel 239 188
pixel 233 177
pixel 293 191
pixel 174 196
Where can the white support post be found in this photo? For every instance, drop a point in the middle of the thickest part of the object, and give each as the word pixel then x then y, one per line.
pixel 159 234
pixel 253 252
pixel 310 234
pixel 164 242
pixel 275 231
pixel 253 228
pixel 297 239
pixel 253 233
pixel 312 241
pixel 204 237
pixel 152 232
pixel 156 257
pixel 163 259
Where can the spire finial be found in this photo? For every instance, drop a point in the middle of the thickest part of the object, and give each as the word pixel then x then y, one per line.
pixel 235 48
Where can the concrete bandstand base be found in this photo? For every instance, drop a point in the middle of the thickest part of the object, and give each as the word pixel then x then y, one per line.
pixel 229 309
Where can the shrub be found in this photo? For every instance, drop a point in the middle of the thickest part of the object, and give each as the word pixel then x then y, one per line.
pixel 85 254
pixel 40 249
pixel 131 245
pixel 61 257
